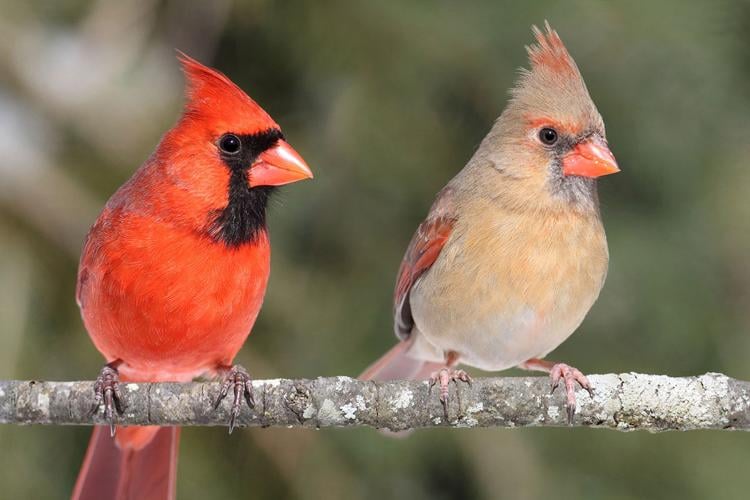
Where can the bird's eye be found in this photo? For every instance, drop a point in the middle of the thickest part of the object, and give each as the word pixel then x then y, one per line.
pixel 548 136
pixel 230 144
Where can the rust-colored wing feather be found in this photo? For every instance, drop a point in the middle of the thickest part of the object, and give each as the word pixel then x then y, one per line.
pixel 422 252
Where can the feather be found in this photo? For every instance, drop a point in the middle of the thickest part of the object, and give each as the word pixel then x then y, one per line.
pixel 422 252
pixel 213 98
pixel 549 52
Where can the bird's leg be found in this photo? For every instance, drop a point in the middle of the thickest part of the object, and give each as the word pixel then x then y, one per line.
pixel 568 374
pixel 236 376
pixel 445 376
pixel 107 391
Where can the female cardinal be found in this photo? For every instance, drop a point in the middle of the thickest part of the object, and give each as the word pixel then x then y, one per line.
pixel 174 270
pixel 512 254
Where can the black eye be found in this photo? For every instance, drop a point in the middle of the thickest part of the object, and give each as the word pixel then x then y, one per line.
pixel 230 144
pixel 548 136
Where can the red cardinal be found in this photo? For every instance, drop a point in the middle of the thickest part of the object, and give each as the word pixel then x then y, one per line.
pixel 512 254
pixel 174 270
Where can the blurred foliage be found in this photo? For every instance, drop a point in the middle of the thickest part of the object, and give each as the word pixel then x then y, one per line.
pixel 387 101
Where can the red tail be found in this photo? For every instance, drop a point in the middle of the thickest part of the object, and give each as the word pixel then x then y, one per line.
pixel 141 463
pixel 396 364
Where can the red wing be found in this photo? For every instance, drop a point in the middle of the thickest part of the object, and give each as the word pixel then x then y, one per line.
pixel 422 252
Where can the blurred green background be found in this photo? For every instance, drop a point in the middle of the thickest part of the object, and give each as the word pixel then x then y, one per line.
pixel 387 101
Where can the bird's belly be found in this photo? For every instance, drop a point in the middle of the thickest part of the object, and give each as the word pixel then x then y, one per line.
pixel 499 342
pixel 498 339
pixel 497 313
pixel 173 316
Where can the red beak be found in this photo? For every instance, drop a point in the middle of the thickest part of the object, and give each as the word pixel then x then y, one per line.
pixel 279 165
pixel 590 158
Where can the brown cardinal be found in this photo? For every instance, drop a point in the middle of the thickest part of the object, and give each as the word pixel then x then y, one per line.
pixel 512 254
pixel 174 270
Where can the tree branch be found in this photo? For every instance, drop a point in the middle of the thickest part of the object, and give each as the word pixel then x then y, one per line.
pixel 622 402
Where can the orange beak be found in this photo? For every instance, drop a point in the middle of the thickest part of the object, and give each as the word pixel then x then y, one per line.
pixel 279 165
pixel 590 158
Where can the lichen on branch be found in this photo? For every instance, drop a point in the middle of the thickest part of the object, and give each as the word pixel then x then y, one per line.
pixel 623 402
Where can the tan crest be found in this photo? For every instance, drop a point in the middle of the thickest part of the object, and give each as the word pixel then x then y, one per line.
pixel 552 90
pixel 549 52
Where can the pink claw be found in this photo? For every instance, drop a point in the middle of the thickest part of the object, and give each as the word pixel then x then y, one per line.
pixel 570 376
pixel 444 377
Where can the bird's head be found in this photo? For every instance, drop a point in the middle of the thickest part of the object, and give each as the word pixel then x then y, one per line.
pixel 551 133
pixel 224 155
pixel 231 131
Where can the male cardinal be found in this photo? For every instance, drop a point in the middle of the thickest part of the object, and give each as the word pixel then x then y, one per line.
pixel 174 270
pixel 512 254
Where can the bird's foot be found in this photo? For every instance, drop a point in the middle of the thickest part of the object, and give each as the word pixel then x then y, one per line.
pixel 570 376
pixel 238 378
pixel 444 377
pixel 107 391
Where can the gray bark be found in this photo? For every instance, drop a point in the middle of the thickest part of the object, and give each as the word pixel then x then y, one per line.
pixel 622 402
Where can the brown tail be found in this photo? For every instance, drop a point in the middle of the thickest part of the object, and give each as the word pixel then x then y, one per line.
pixel 140 463
pixel 396 364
